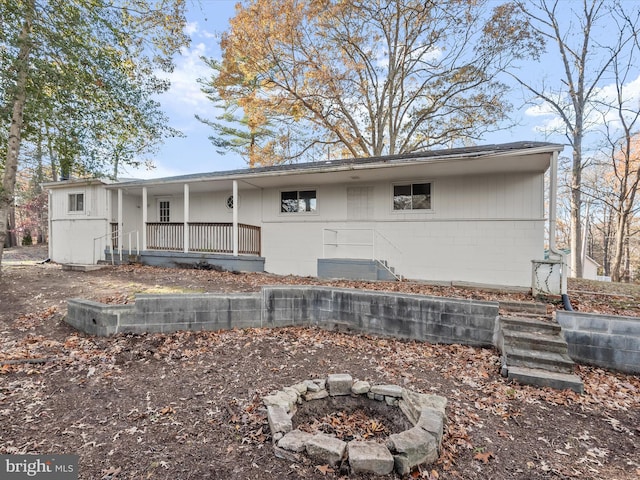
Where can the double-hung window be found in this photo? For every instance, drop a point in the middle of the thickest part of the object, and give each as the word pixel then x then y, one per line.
pixel 298 201
pixel 76 202
pixel 412 196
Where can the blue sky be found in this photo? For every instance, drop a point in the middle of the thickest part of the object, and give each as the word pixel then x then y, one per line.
pixel 194 153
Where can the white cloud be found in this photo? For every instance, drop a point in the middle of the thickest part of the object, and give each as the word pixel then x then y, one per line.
pixel 184 96
pixel 191 28
pixel 208 34
pixel 549 121
pixel 159 171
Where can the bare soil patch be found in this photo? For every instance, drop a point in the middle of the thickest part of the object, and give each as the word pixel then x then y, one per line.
pixel 187 405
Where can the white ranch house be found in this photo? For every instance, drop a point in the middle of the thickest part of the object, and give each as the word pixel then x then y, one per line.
pixel 472 215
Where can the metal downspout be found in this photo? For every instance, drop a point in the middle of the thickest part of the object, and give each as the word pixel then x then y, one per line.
pixel 553 192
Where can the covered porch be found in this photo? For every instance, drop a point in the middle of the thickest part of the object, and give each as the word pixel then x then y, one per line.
pixel 170 223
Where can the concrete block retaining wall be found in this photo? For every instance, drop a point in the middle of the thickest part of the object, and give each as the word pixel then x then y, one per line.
pixel 605 341
pixel 415 317
pixel 602 340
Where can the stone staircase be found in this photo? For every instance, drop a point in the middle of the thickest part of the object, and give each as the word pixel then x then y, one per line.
pixel 534 352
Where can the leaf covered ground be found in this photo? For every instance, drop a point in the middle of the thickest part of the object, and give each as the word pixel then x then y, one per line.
pixel 187 405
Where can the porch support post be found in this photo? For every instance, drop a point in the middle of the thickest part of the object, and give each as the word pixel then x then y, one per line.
pixel 186 218
pixel 144 218
pixel 235 218
pixel 120 224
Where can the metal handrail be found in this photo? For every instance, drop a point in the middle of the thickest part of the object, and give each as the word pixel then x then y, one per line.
pixel 115 234
pixel 377 244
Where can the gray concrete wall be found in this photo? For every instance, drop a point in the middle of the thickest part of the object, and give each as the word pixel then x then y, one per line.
pixel 415 317
pixel 602 340
pixel 353 269
pixel 241 263
pixel 167 313
pixel 97 318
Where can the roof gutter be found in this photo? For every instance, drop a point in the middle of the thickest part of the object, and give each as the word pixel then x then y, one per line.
pixel 320 167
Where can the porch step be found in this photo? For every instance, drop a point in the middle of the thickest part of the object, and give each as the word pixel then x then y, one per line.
pixel 523 308
pixel 534 352
pixel 529 325
pixel 552 361
pixel 77 267
pixel 387 272
pixel 538 341
pixel 545 378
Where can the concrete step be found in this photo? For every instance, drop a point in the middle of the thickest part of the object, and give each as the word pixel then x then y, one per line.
pixel 77 267
pixel 544 378
pixel 551 361
pixel 534 341
pixel 529 325
pixel 537 309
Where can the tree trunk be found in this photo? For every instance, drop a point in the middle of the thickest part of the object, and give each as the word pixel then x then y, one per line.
pixel 627 251
pixel 576 207
pixel 12 238
pixel 18 99
pixel 616 274
pixel 606 245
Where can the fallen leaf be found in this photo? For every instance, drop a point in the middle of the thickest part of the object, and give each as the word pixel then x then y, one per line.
pixel 324 469
pixel 483 457
pixel 111 473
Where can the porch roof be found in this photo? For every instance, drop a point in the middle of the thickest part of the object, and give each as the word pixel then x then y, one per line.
pixel 486 159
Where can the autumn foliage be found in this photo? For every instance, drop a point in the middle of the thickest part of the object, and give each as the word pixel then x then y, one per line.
pixel 358 79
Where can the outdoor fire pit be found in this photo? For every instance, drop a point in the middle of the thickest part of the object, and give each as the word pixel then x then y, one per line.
pixel 363 452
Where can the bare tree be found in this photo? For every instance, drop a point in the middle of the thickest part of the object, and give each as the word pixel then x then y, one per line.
pixel 586 59
pixel 620 113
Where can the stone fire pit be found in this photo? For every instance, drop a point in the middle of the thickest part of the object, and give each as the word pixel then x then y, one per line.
pixel 402 451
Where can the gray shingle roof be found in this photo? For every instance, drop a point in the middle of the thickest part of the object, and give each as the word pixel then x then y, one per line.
pixel 466 152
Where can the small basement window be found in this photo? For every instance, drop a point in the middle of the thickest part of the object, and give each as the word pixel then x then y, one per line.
pixel 76 202
pixel 412 196
pixel 298 201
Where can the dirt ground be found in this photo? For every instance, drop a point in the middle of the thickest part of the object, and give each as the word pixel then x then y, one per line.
pixel 187 405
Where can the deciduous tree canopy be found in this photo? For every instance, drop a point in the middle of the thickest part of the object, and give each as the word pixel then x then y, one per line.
pixel 81 73
pixel 357 78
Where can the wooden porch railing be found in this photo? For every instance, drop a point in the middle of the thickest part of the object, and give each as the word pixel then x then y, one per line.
pixel 204 237
pixel 165 236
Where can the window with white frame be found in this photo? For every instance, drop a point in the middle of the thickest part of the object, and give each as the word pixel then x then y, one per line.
pixel 298 201
pixel 76 202
pixel 164 211
pixel 412 196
